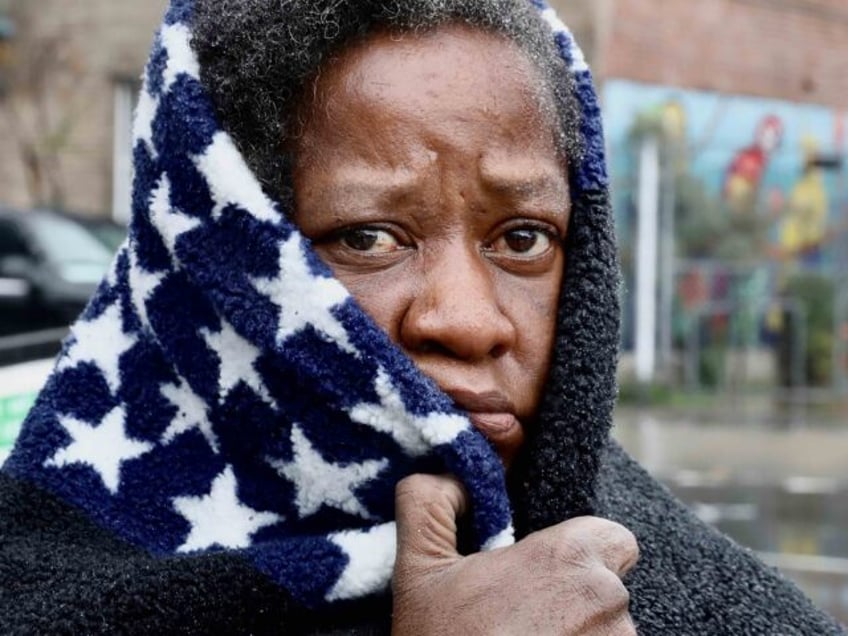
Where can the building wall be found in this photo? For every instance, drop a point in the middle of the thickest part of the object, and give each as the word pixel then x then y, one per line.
pixel 591 23
pixel 104 42
pixel 752 101
pixel 582 17
pixel 719 73
pixel 788 49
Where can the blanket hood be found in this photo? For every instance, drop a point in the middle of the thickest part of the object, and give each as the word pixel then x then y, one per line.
pixel 223 392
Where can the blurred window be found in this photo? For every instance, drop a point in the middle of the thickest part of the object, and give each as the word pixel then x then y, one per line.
pixel 64 241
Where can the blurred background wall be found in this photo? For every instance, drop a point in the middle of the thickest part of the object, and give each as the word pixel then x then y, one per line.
pixel 69 73
pixel 726 130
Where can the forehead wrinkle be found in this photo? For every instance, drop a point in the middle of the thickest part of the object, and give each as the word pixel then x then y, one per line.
pixel 523 178
pixel 351 182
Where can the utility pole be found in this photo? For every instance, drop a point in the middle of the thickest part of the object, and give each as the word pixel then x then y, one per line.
pixel 666 278
pixel 647 229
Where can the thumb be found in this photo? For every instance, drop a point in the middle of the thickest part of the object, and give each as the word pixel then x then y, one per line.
pixel 426 510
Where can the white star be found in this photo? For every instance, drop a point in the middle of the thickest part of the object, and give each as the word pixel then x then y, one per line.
pixel 170 223
pixel 104 447
pixel 237 357
pixel 232 182
pixel 371 561
pixel 192 412
pixel 304 299
pixel 101 341
pixel 142 285
pixel 219 518
pixel 414 434
pixel 176 38
pixel 322 483
pixel 145 114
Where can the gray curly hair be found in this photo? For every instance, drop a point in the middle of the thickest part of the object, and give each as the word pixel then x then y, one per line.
pixel 259 58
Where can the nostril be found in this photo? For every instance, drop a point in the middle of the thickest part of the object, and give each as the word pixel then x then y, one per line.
pixel 498 351
pixel 435 347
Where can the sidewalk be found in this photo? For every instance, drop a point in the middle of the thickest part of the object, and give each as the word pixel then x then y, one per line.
pixel 668 441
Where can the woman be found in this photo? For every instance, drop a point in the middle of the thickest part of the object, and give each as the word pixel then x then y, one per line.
pixel 371 248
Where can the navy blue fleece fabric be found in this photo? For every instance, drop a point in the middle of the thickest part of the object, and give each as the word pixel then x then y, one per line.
pixel 223 392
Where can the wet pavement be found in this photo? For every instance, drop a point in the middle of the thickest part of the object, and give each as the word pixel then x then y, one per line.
pixel 781 490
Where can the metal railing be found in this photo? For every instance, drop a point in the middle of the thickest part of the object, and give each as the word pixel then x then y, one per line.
pixel 790 306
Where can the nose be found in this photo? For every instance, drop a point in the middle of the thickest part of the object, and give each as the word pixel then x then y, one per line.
pixel 456 312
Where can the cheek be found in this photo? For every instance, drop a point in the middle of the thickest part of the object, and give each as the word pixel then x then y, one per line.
pixel 382 297
pixel 533 306
pixel 539 334
pixel 534 302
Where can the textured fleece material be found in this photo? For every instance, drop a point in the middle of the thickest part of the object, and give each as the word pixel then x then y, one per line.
pixel 60 574
pixel 217 447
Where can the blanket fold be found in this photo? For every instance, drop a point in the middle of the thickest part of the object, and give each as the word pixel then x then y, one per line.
pixel 223 392
pixel 217 448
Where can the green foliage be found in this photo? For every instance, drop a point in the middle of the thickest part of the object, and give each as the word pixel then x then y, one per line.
pixel 711 365
pixel 707 228
pixel 816 294
pixel 634 393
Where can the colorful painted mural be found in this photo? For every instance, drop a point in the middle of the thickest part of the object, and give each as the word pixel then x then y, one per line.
pixel 759 190
pixel 759 156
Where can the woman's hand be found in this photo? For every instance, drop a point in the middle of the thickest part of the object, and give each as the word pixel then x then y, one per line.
pixel 563 580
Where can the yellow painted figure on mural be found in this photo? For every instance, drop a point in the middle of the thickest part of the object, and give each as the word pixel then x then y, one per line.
pixel 803 229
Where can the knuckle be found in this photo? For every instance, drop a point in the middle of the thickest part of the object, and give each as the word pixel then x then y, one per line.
pixel 605 590
pixel 613 533
pixel 550 553
pixel 623 542
pixel 616 544
pixel 584 545
pixel 572 544
pixel 623 538
pixel 577 554
pixel 624 626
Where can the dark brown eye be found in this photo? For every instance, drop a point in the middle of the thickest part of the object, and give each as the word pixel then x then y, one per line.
pixel 369 239
pixel 527 242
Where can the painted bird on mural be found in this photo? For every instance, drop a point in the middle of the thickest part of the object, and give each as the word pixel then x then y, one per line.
pixel 745 173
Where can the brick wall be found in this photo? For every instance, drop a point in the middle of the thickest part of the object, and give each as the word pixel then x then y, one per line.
pixel 582 17
pixel 788 49
pixel 591 21
pixel 105 41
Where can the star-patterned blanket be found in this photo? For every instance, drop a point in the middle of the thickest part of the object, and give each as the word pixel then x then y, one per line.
pixel 223 392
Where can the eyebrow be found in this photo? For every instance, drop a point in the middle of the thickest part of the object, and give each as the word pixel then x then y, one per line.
pixel 517 178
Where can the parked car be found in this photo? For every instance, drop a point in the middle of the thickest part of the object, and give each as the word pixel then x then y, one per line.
pixel 105 230
pixel 49 267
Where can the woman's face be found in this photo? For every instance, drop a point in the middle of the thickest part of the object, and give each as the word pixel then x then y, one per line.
pixel 427 177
